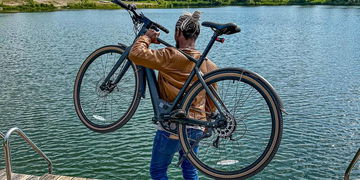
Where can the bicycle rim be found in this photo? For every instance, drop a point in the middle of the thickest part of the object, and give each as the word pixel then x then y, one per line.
pixel 251 138
pixel 105 111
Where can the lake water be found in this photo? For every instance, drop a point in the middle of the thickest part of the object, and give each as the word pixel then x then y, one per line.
pixel 310 54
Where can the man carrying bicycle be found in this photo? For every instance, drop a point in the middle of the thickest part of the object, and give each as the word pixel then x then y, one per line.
pixel 174 68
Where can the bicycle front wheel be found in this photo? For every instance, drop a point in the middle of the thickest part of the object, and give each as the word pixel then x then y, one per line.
pixel 105 110
pixel 253 128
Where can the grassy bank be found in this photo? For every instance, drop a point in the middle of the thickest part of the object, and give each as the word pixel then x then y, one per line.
pixel 142 4
pixel 33 6
pixel 28 8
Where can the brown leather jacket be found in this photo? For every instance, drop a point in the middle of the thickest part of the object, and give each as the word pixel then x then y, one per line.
pixel 174 68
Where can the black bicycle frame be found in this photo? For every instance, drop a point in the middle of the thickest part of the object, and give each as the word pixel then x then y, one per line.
pixel 149 74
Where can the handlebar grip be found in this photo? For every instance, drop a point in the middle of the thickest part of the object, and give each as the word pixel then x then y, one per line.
pixel 123 5
pixel 161 27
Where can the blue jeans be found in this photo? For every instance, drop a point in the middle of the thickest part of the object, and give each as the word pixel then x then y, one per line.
pixel 163 152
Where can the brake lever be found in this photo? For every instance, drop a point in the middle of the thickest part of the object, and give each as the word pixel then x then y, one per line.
pixel 154 28
pixel 132 7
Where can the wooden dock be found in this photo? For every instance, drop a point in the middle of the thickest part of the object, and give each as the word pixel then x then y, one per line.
pixel 44 177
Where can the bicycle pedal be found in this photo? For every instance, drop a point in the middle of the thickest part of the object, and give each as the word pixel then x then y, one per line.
pixel 179 113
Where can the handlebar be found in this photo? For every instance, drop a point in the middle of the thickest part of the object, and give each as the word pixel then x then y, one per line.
pixel 132 8
pixel 161 27
pixel 123 5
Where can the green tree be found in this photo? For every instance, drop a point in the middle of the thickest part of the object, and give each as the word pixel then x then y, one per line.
pixel 297 1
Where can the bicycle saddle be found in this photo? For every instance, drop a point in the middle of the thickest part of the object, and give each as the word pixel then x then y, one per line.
pixel 228 28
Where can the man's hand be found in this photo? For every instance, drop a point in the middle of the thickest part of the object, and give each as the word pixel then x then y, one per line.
pixel 153 35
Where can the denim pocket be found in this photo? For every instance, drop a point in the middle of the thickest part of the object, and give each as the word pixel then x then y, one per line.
pixel 168 146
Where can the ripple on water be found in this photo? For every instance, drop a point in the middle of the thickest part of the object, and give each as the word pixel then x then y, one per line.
pixel 309 54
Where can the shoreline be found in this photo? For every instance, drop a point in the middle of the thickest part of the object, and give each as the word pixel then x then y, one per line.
pixel 32 6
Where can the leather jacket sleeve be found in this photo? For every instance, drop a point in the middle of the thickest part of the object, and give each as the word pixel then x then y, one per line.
pixel 158 59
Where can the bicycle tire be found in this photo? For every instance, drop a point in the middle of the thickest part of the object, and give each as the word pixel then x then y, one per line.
pixel 220 169
pixel 92 120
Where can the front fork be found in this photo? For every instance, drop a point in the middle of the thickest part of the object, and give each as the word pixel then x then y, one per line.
pixel 107 84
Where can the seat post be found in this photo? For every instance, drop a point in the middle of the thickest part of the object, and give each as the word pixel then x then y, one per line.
pixel 207 49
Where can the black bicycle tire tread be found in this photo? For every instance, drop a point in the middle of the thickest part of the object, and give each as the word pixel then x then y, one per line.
pixel 135 102
pixel 270 91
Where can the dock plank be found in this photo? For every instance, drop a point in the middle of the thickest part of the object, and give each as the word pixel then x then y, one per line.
pixel 2 174
pixel 15 176
pixel 25 177
pixel 49 177
pixel 32 177
pixel 19 176
pixel 65 178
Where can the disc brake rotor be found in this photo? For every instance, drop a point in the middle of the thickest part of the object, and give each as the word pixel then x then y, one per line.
pixel 228 130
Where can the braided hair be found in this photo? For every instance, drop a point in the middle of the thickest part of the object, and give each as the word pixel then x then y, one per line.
pixel 188 24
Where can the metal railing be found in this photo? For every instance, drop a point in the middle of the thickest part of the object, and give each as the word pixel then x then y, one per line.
pixel 7 152
pixel 352 164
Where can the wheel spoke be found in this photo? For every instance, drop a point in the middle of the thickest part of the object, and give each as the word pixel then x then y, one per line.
pixel 107 109
pixel 248 127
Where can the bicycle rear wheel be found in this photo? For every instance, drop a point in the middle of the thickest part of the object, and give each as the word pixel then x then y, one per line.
pixel 106 110
pixel 252 134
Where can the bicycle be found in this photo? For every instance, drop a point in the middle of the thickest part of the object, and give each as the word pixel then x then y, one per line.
pixel 244 100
